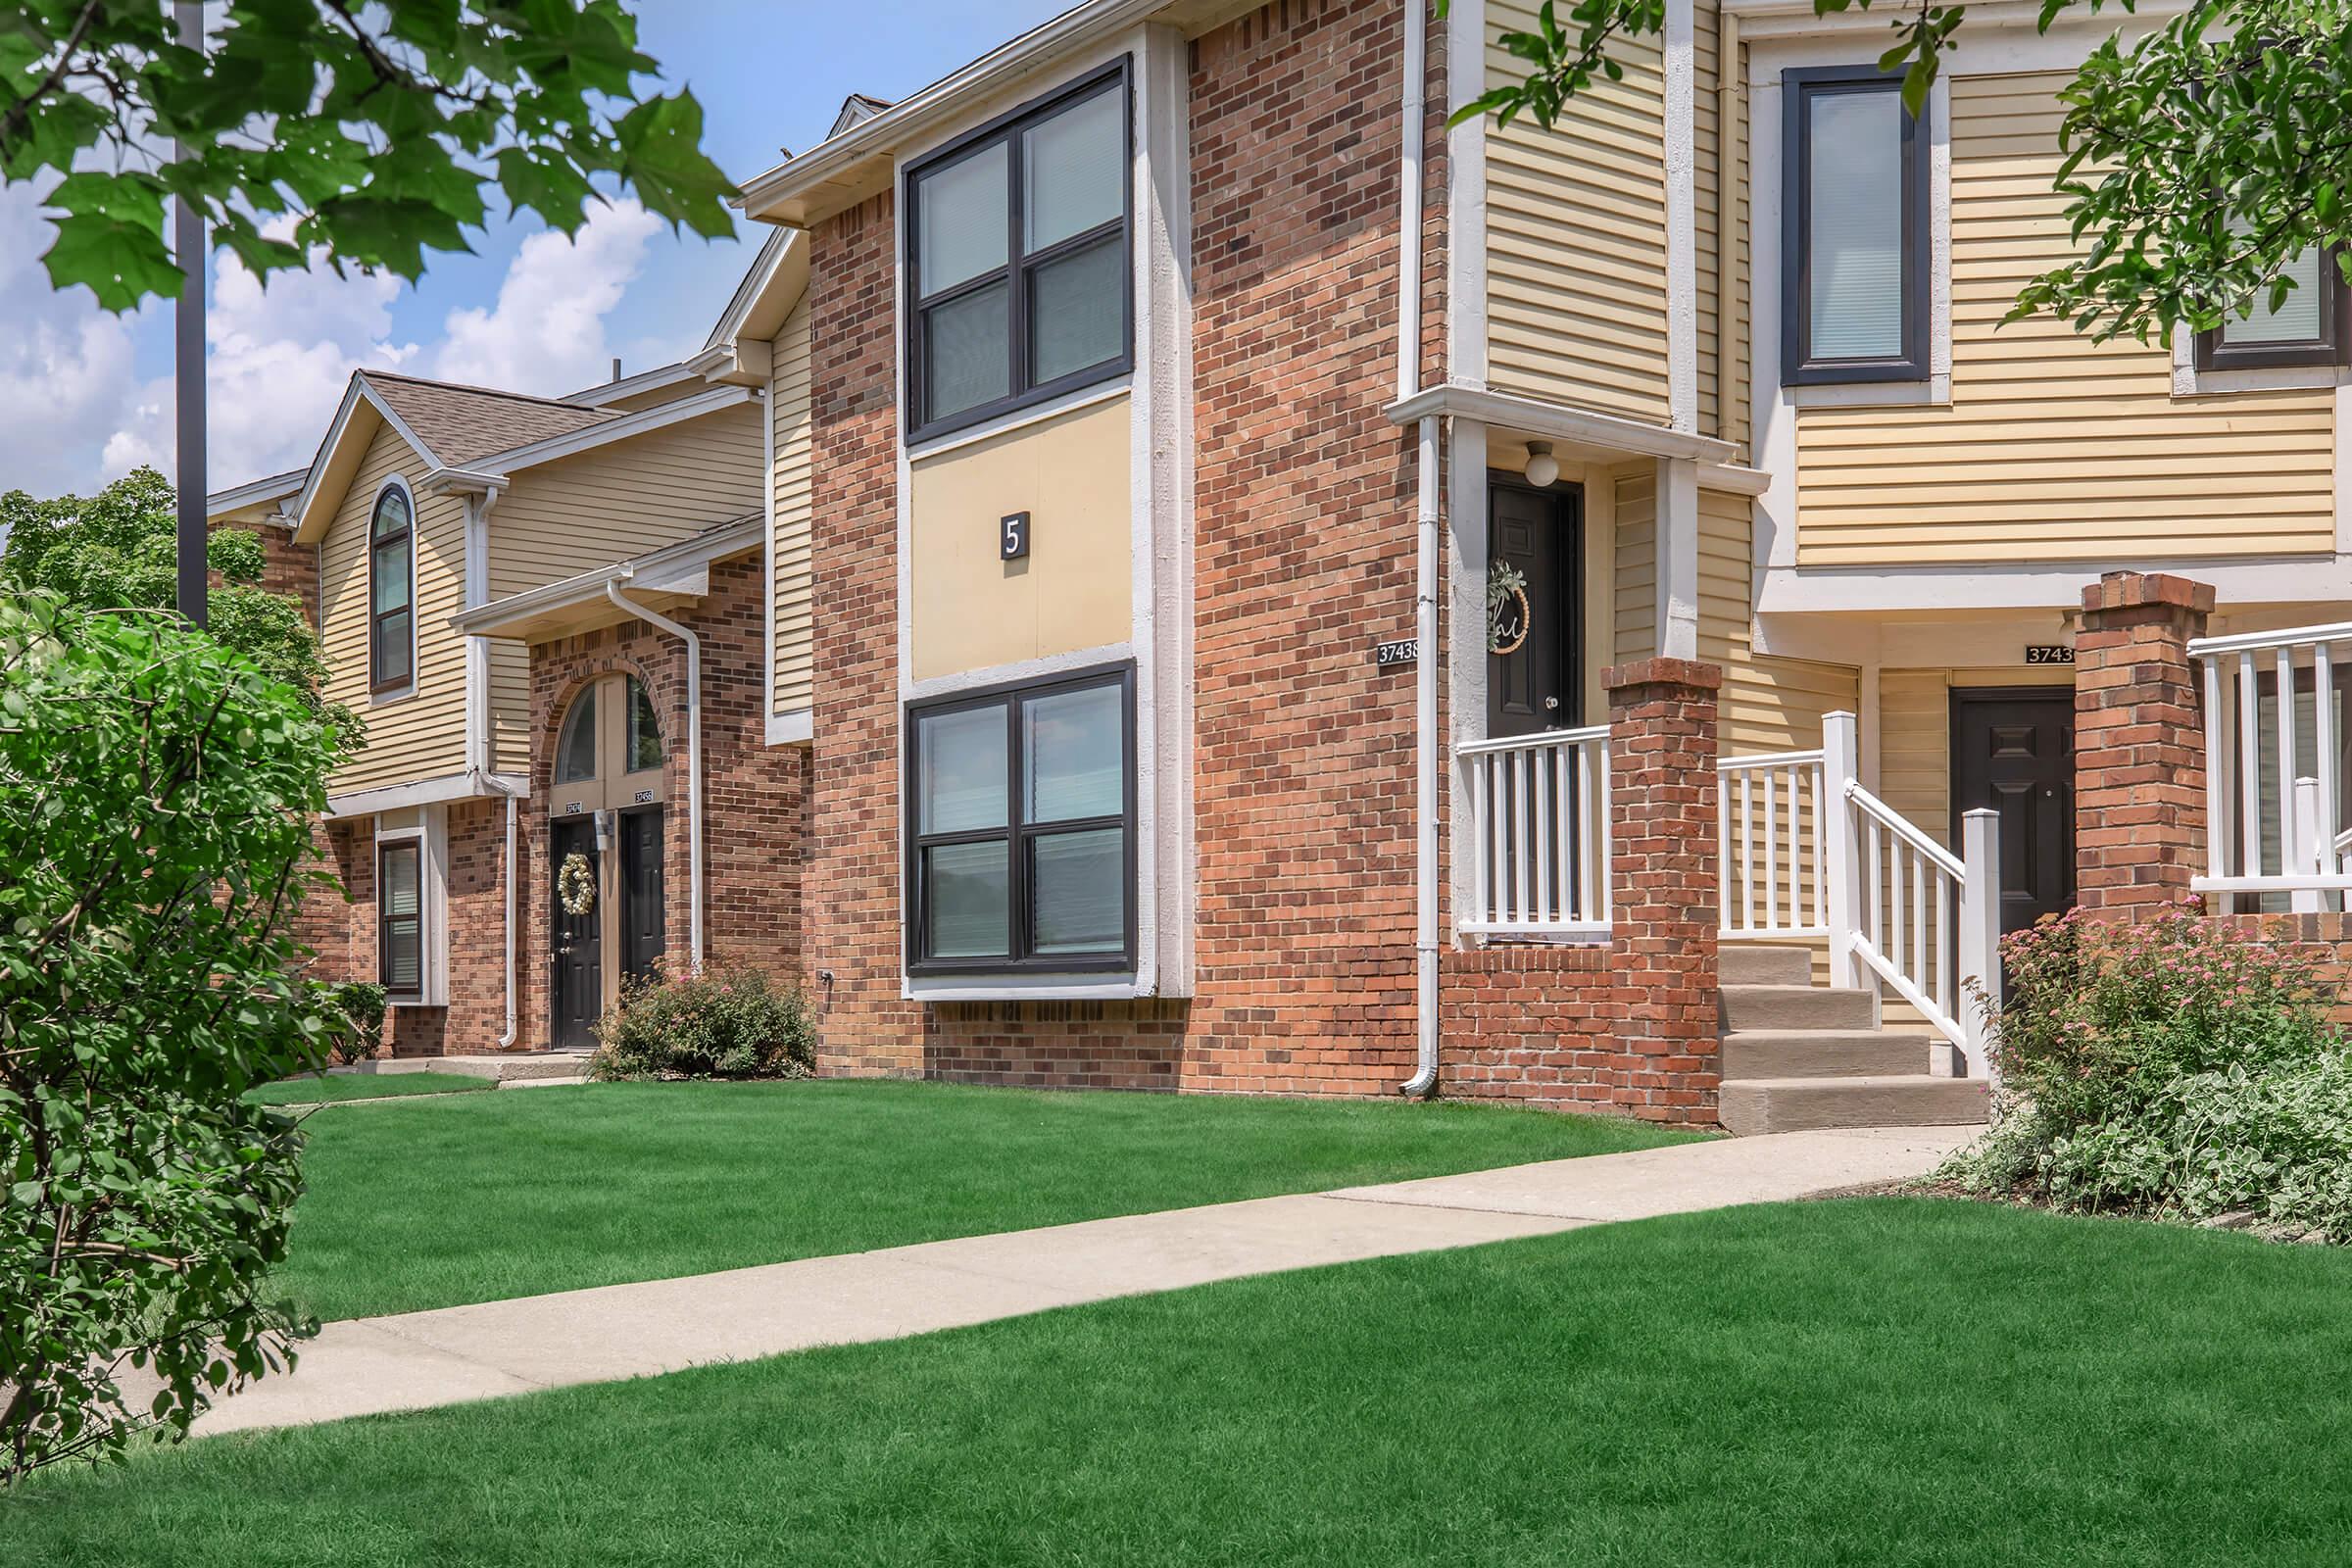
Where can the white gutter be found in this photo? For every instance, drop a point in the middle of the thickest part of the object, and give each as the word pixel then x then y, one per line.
pixel 694 752
pixel 1425 591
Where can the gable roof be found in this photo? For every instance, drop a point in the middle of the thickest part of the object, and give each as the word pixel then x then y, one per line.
pixel 458 424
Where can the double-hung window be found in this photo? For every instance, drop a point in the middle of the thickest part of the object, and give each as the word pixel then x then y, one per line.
pixel 1018 259
pixel 1854 295
pixel 2309 328
pixel 400 918
pixel 1021 828
pixel 391 593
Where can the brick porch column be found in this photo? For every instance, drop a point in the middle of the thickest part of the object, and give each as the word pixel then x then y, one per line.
pixel 2139 742
pixel 1665 882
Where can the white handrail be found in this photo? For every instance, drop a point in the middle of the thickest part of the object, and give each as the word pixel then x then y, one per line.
pixel 1539 812
pixel 1944 859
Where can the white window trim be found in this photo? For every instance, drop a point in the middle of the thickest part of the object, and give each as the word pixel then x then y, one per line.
pixel 393 694
pixel 2191 382
pixel 432 877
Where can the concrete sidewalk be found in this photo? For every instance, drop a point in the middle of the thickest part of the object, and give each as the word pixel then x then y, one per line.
pixel 420 1359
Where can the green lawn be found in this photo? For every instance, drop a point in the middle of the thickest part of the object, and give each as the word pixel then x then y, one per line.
pixel 328 1087
pixel 1885 1382
pixel 503 1195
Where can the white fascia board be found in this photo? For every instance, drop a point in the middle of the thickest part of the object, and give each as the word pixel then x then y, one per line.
pixel 401 797
pixel 1861 590
pixel 255 490
pixel 353 395
pixel 755 280
pixel 654 380
pixel 1081 27
pixel 508 464
pixel 679 569
pixel 1560 422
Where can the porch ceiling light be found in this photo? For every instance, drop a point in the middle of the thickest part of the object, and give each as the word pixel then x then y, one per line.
pixel 1541 466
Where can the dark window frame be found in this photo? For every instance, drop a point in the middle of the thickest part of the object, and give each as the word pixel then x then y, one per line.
pixel 385 849
pixel 2331 349
pixel 379 682
pixel 1797 368
pixel 1016 834
pixel 1020 266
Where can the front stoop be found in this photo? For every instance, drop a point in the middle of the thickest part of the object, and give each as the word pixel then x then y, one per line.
pixel 1802 1057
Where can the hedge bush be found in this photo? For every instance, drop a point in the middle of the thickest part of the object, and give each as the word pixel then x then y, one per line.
pixel 2178 1067
pixel 729 1021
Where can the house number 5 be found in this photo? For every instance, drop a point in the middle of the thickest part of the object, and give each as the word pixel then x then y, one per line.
pixel 1013 536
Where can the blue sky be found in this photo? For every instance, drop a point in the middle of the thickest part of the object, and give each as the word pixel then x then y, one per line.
pixel 83 396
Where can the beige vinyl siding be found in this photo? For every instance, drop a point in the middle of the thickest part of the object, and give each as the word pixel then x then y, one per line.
pixel 795 492
pixel 1635 584
pixel 1768 704
pixel 2053 448
pixel 1576 238
pixel 1738 427
pixel 1707 212
pixel 509 705
pixel 614 502
pixel 416 737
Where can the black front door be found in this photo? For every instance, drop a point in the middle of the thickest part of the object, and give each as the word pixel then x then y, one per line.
pixel 579 979
pixel 1538 535
pixel 2013 749
pixel 642 933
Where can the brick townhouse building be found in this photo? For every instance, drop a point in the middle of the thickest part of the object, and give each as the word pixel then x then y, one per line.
pixel 1261 590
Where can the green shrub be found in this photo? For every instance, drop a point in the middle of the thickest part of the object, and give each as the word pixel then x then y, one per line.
pixel 357 1009
pixel 155 798
pixel 729 1021
pixel 2174 1066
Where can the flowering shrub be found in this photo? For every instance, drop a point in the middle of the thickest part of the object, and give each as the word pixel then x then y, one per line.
pixel 726 1022
pixel 2172 1066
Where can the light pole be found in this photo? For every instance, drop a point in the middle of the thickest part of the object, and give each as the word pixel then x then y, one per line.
pixel 187 248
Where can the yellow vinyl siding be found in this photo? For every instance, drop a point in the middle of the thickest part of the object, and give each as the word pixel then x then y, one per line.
pixel 1576 238
pixel 2053 448
pixel 1768 704
pixel 794 490
pixel 416 737
pixel 1635 584
pixel 1707 209
pixel 614 502
pixel 1738 427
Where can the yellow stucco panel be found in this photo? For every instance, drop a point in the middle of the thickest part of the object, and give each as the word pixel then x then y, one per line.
pixel 972 610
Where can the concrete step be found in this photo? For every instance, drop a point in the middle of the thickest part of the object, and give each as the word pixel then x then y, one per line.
pixel 1755 1105
pixel 1753 963
pixel 1796 1007
pixel 508 1066
pixel 1828 1052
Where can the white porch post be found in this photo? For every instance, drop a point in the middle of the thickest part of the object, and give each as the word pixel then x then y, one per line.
pixel 1842 865
pixel 1677 557
pixel 1980 930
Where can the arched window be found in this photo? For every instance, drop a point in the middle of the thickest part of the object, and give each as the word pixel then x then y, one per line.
pixel 645 730
pixel 391 592
pixel 575 750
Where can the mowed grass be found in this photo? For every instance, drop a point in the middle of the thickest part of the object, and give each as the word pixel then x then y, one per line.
pixel 517 1194
pixel 324 1088
pixel 1885 1382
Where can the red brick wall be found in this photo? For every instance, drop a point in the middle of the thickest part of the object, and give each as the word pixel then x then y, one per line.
pixel 2140 752
pixel 1303 547
pixel 751 791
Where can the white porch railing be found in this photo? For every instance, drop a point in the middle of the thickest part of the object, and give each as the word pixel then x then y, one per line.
pixel 1775 883
pixel 1539 834
pixel 1893 903
pixel 2274 787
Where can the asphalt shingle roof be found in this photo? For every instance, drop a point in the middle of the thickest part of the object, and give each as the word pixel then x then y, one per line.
pixel 464 424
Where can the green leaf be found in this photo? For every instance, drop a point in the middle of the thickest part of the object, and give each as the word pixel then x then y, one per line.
pixel 121 262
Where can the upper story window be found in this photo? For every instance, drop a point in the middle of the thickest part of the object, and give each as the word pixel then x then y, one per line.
pixel 391 593
pixel 1021 841
pixel 634 723
pixel 1018 278
pixel 2309 328
pixel 1854 222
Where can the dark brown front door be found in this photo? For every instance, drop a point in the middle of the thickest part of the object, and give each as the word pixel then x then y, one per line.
pixel 642 921
pixel 2013 749
pixel 579 977
pixel 1537 533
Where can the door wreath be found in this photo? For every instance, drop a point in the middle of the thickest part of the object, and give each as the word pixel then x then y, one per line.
pixel 575 884
pixel 1506 593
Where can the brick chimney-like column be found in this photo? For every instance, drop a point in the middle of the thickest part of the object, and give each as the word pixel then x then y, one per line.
pixel 2139 743
pixel 1663 799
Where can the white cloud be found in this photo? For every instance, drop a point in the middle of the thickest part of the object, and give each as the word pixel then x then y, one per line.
pixel 546 334
pixel 75 414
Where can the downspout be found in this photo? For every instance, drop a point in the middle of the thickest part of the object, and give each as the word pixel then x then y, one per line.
pixel 1425 591
pixel 694 755
pixel 481 745
pixel 506 1042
